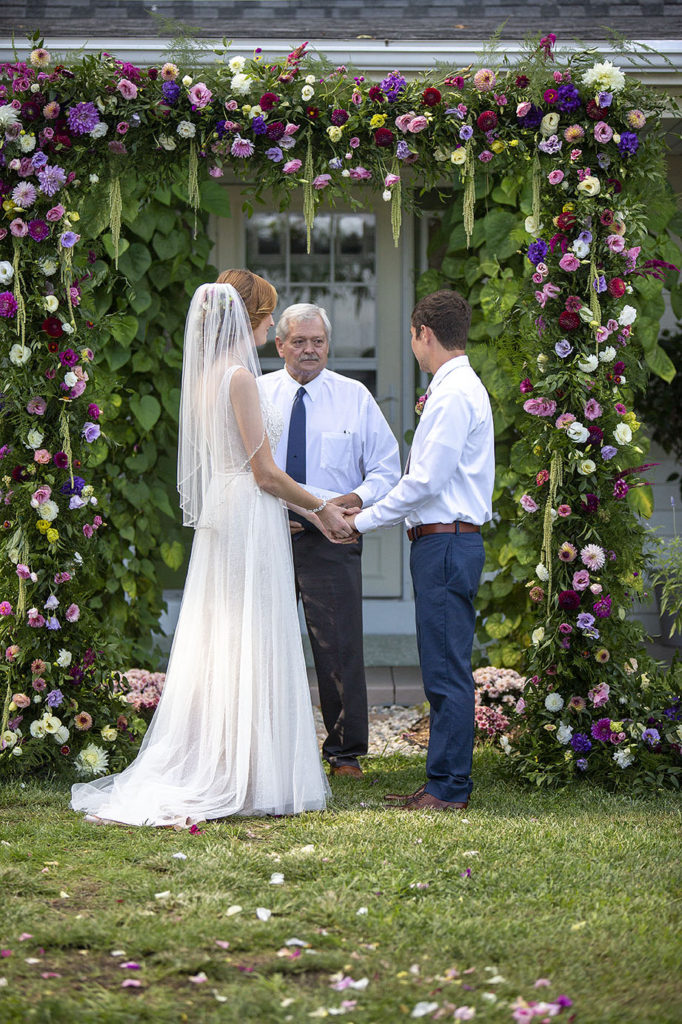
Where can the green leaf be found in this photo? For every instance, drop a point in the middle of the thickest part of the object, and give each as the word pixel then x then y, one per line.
pixel 172 554
pixel 143 362
pixel 123 328
pixel 168 246
pixel 661 363
pixel 108 243
pixel 497 227
pixel 140 300
pixel 641 499
pixel 117 356
pixel 146 410
pixel 214 198
pixel 161 500
pixel 135 261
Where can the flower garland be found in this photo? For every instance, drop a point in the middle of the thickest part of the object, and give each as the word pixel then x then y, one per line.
pixel 292 125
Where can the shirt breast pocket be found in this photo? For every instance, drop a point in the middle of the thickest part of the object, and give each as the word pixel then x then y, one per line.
pixel 336 451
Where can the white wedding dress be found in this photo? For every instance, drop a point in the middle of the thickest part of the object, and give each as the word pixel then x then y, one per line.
pixel 233 733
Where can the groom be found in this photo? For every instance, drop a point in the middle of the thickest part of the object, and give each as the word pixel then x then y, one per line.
pixel 444 497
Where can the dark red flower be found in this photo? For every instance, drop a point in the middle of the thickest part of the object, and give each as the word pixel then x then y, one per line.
pixel 569 600
pixel 606 217
pixel 431 97
pixel 153 73
pixel 522 82
pixel 275 130
pixel 616 287
pixel 596 113
pixel 487 120
pixel 376 94
pixel 52 325
pixel 455 80
pixel 268 100
pixel 65 751
pixel 615 184
pixel 383 137
pixel 565 220
pixel 60 459
pixel 619 367
pixel 18 474
pixel 53 346
pixel 596 434
pixel 339 116
pixel 569 321
pixel 313 113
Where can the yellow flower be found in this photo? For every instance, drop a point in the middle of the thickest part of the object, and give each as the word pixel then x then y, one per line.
pixel 550 727
pixel 108 733
pixel 246 108
pixel 537 450
pixel 498 146
pixel 334 132
pixel 567 207
pixel 52 536
pixel 458 156
pixel 73 216
pixel 378 121
pixel 513 142
pixel 43 525
pixel 9 206
pixel 616 726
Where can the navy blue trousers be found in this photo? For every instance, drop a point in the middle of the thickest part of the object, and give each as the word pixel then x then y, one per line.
pixel 446 570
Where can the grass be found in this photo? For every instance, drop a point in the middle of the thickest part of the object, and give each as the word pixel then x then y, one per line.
pixel 578 887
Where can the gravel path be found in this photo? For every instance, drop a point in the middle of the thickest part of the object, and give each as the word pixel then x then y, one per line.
pixel 386 728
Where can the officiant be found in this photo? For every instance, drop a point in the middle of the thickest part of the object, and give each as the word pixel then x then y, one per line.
pixel 337 442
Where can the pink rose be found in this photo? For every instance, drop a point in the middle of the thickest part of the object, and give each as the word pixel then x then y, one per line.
pixel 569 262
pixel 200 95
pixel 21 700
pixel 35 619
pixel 592 410
pixel 128 90
pixel 78 389
pixel 19 228
pixel 581 579
pixel 537 278
pixel 354 142
pixel 356 98
pixel 540 406
pixel 56 213
pixel 40 495
pixel 564 511
pixel 360 174
pixel 291 166
pixel 36 406
pixel 564 420
pixel 321 181
pixel 23 571
pixel 555 177
pixel 291 129
pixel 528 504
pixel 601 334
pixel 88 530
pixel 602 132
pixel 73 613
pixel 231 105
pixel 575 154
pixel 599 695
pixel 42 456
pixel 523 108
pixel 615 243
pixel 417 124
pixel 12 651
pixel 403 120
pixel 391 179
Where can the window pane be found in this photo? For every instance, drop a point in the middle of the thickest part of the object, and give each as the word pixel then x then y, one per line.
pixel 353 323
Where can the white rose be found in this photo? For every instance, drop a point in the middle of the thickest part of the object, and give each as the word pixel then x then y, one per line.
pixel 48 510
pixel 532 226
pixel 586 314
pixel 458 156
pixel 310 80
pixel 577 432
pixel 61 735
pixel 186 130
pixel 538 635
pixel 564 733
pixel 541 573
pixel 623 434
pixel 93 178
pixel 167 143
pixel 628 315
pixel 187 81
pixel 307 92
pixel 27 143
pixel 8 739
pixel 34 439
pixel 100 130
pixel 51 303
pixel 64 657
pixel 623 757
pixel 19 354
pixel 6 272
pixel 590 185
pixel 554 702
pixel 67 327
pixel 549 123
pixel 580 248
pixel 440 155
pixel 108 733
pixel 37 729
pixel 48 266
pixel 70 379
pixel 608 354
pixel 386 195
pixel 345 173
pixel 236 64
pixel 586 467
pixel 588 364
pixel 241 85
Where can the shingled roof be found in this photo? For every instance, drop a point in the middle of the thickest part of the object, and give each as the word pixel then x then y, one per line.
pixel 295 20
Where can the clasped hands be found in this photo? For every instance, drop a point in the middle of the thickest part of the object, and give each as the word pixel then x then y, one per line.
pixel 340 530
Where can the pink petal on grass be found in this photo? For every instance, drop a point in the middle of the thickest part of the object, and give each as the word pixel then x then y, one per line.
pixel 131 983
pixel 222 943
pixel 198 979
pixel 130 965
pixel 542 983
pixel 49 974
pixel 5 952
pixel 24 937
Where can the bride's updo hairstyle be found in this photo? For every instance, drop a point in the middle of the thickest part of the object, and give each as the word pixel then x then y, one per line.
pixel 258 295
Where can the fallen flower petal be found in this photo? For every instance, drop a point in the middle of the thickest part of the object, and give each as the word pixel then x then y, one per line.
pixel 24 937
pixel 297 942
pixel 218 997
pixel 276 878
pixel 130 965
pixel 222 943
pixel 162 895
pixel 362 911
pixel 179 856
pixel 131 983
pixel 542 983
pixel 49 974
pixel 5 952
pixel 263 914
pixel 118 952
pixel 198 979
pixel 31 960
pixel 465 874
pixel 64 895
pixel 234 909
pixel 421 1009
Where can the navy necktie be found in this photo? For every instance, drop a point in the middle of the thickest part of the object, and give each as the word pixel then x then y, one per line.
pixel 296 443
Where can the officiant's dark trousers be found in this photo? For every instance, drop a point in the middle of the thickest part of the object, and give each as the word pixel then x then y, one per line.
pixel 329 583
pixel 446 569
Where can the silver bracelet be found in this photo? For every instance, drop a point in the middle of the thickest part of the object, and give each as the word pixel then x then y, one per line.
pixel 319 507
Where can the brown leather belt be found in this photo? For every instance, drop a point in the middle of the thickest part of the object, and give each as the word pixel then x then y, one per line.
pixel 424 529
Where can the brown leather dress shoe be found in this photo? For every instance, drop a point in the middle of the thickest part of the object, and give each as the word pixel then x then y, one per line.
pixel 402 798
pixel 351 771
pixel 427 802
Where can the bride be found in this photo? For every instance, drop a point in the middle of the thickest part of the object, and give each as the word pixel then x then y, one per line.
pixel 233 732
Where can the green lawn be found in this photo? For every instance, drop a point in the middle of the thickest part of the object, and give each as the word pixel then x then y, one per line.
pixel 578 887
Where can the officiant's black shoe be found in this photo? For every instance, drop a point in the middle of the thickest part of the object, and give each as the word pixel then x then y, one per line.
pixel 402 798
pixel 350 771
pixel 427 802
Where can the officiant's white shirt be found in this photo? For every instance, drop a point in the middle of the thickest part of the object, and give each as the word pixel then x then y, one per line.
pixel 349 444
pixel 451 468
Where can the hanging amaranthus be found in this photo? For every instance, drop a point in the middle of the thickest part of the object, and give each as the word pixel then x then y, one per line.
pixel 193 181
pixel 21 305
pixel 308 193
pixel 556 479
pixel 66 438
pixel 536 183
pixel 115 210
pixel 469 196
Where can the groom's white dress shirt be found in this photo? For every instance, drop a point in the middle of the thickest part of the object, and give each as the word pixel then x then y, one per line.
pixel 451 468
pixel 349 444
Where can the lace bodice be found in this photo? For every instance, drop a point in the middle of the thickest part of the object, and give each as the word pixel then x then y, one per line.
pixel 273 422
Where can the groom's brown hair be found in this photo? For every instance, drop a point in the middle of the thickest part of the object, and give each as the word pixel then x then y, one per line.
pixel 447 314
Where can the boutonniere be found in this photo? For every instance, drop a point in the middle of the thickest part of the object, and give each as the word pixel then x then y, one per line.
pixel 421 402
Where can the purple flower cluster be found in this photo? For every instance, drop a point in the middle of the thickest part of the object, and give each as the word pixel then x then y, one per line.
pixel 51 178
pixel 82 118
pixel 629 144
pixel 602 607
pixel 393 85
pixel 568 98
pixel 170 91
pixel 532 119
pixel 8 305
pixel 601 730
pixel 581 742
pixel 537 251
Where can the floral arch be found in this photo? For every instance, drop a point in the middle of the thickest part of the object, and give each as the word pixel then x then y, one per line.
pixel 574 152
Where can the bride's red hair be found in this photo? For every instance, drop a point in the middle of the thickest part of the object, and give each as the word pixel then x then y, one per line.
pixel 258 295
